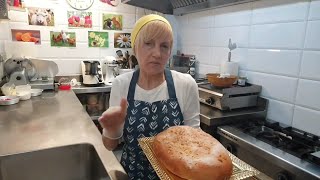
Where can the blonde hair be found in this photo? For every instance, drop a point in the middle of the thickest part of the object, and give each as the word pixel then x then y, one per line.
pixel 152 30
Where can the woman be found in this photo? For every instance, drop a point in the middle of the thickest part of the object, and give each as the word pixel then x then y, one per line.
pixel 151 99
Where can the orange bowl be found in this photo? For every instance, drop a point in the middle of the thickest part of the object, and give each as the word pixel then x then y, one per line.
pixel 216 81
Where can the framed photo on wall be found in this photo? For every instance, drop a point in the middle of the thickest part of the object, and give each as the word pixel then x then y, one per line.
pixel 112 22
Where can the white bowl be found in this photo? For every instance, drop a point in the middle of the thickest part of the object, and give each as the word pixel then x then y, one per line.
pixel 36 92
pixel 8 100
pixel 24 95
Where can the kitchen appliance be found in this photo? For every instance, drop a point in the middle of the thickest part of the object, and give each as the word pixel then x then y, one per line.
pixel 20 70
pixel 110 70
pixel 180 7
pixel 279 151
pixel 92 73
pixel 221 106
pixel 230 98
pixel 184 63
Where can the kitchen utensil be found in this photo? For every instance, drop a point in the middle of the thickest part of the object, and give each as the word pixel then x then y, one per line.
pixel 45 68
pixel 217 81
pixel 36 92
pixel 20 70
pixel 64 84
pixel 242 81
pixel 8 100
pixel 65 87
pixel 119 53
pixel 110 71
pixel 231 46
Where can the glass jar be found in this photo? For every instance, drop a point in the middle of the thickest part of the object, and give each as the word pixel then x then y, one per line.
pixel 242 80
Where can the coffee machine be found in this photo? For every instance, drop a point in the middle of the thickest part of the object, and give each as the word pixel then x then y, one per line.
pixel 92 73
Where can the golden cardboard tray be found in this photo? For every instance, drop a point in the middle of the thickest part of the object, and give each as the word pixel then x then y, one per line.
pixel 241 170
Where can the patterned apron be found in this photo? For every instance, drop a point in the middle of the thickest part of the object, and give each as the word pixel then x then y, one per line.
pixel 146 119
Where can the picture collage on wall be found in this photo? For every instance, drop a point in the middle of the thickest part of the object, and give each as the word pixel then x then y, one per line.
pixel 40 16
pixel 75 19
pixel 112 22
pixel 63 39
pixel 122 40
pixel 79 19
pixel 98 39
pixel 26 36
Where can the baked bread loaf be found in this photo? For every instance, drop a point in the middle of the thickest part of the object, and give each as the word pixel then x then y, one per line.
pixel 190 153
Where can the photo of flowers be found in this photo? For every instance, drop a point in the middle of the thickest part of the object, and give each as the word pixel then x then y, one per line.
pixel 79 19
pixel 112 22
pixel 26 35
pixel 98 39
pixel 40 16
pixel 63 39
pixel 122 40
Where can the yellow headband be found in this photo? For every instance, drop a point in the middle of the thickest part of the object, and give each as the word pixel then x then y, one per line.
pixel 143 21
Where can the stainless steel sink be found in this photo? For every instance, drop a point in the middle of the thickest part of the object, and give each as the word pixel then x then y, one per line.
pixel 73 162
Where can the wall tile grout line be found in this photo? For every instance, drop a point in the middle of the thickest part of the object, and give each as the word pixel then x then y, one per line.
pixel 301 59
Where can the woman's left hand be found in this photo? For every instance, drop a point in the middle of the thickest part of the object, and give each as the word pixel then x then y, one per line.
pixel 113 118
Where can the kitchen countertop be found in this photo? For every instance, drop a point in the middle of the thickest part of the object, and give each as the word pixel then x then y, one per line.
pixel 51 120
pixel 81 89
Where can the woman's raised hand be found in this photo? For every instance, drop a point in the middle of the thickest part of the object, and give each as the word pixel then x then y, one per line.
pixel 113 118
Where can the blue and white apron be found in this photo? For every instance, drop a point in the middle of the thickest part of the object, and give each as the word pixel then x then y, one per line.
pixel 146 119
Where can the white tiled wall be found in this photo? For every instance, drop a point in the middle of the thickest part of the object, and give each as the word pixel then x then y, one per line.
pixel 4 34
pixel 278 48
pixel 68 59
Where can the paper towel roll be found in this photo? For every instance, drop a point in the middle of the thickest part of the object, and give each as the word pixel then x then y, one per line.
pixel 231 68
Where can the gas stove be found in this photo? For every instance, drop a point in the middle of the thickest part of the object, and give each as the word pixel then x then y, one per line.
pixel 279 151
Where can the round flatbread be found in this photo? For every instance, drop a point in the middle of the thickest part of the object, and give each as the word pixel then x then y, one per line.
pixel 190 153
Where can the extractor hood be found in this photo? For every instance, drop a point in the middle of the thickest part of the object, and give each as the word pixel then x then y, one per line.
pixel 180 7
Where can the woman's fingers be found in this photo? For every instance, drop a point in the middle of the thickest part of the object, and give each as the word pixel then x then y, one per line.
pixel 123 105
pixel 114 115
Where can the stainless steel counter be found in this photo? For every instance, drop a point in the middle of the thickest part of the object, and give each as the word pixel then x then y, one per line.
pixel 84 89
pixel 51 120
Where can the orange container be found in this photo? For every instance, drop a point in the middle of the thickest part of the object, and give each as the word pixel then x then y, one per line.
pixel 216 81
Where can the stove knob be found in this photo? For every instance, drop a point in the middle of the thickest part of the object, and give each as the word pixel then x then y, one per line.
pixel 231 148
pixel 210 100
pixel 282 176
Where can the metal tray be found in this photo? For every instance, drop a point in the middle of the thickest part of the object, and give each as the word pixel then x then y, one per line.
pixel 241 170
pixel 4 100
